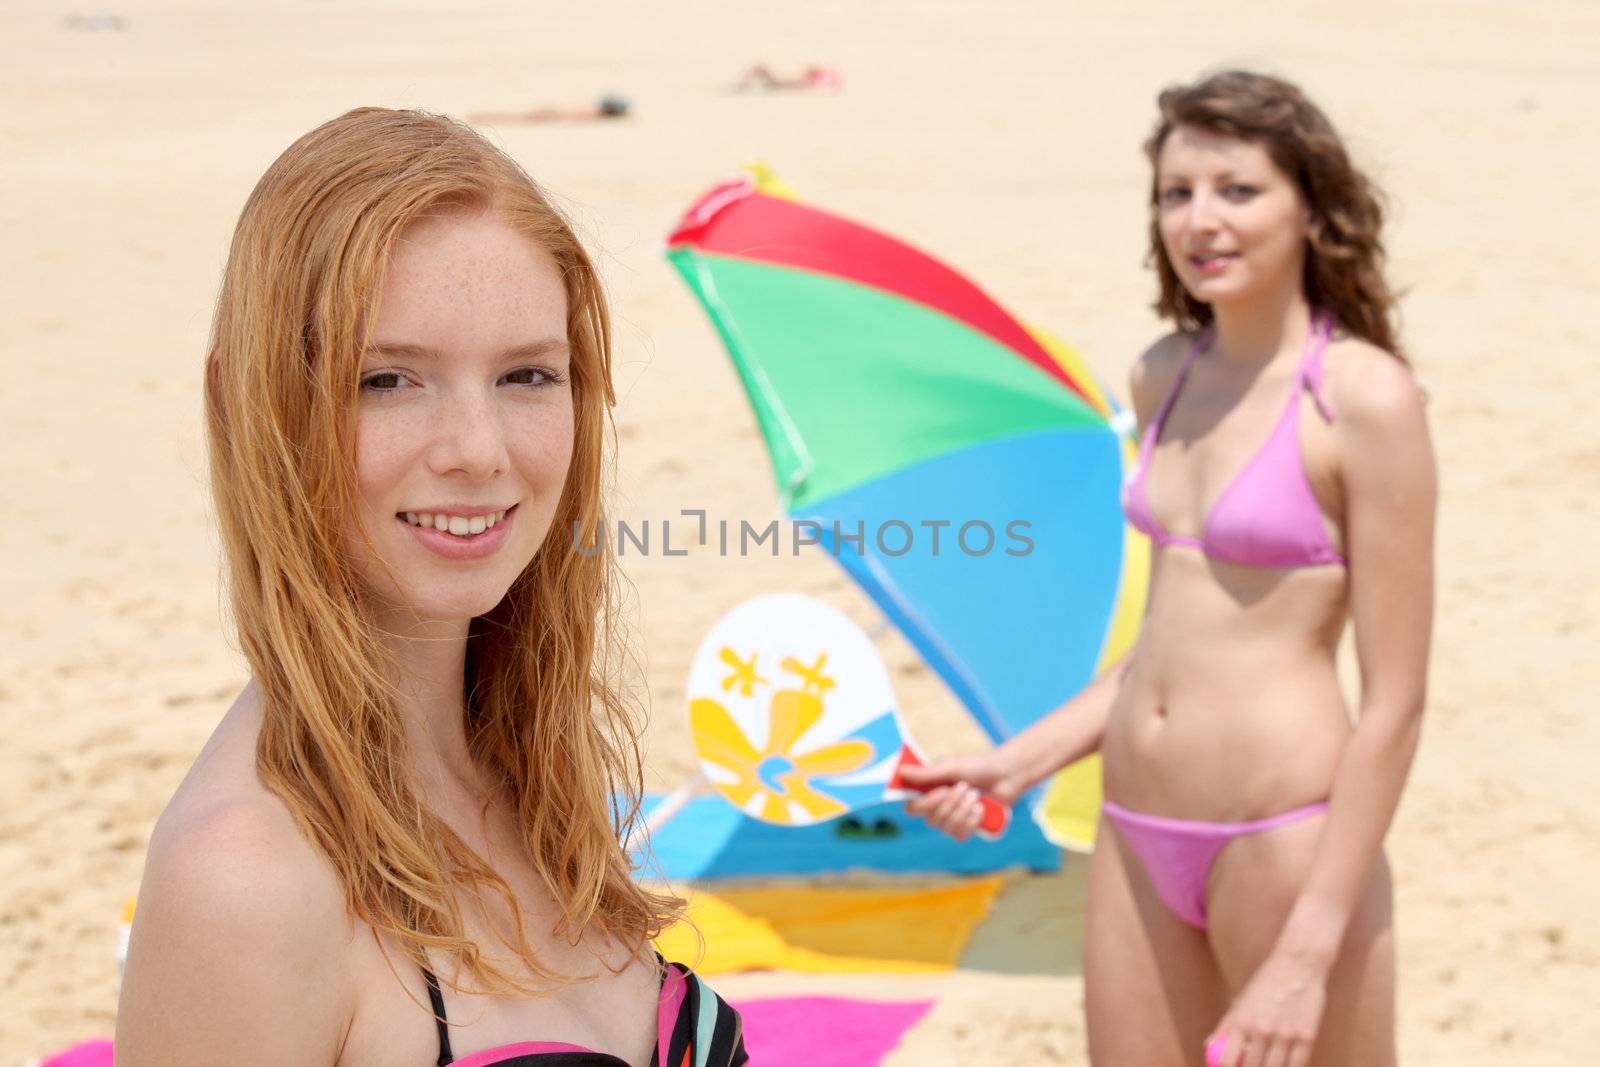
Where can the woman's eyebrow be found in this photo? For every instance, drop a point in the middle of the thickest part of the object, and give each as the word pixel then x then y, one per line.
pixel 404 350
pixel 400 350
pixel 1226 174
pixel 549 346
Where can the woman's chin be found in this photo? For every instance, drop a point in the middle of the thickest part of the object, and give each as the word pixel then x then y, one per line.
pixel 460 608
pixel 1211 290
pixel 443 611
pixel 1227 299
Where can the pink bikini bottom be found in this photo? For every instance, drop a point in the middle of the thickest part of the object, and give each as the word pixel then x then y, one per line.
pixel 1178 853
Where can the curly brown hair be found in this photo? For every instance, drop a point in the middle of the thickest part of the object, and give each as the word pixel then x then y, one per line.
pixel 1344 261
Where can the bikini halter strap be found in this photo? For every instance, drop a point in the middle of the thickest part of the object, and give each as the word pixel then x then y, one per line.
pixel 1311 365
pixel 1310 372
pixel 436 996
pixel 1200 344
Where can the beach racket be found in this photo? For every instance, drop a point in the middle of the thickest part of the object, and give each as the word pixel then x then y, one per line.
pixel 794 719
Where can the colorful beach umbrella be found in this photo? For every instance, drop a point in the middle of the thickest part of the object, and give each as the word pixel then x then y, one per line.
pixel 961 466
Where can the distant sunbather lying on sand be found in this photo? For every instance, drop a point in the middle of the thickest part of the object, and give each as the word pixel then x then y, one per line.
pixel 609 106
pixel 761 77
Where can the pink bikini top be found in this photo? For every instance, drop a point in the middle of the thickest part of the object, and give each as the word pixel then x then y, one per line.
pixel 1268 515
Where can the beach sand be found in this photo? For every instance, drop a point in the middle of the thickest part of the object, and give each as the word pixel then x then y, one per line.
pixel 1003 137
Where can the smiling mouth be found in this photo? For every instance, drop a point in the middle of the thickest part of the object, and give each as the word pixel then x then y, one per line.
pixel 465 527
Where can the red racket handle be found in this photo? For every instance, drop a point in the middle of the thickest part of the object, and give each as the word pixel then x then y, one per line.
pixel 996 817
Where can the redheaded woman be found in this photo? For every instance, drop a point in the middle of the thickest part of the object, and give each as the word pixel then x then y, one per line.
pixel 400 847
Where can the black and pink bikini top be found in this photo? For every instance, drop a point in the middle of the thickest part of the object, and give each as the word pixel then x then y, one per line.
pixel 1267 516
pixel 694 1026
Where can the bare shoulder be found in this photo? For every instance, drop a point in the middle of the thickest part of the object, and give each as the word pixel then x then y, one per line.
pixel 1370 390
pixel 226 855
pixel 225 831
pixel 1154 372
pixel 240 951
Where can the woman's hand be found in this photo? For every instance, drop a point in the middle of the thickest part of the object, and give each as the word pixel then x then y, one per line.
pixel 951 802
pixel 1274 1021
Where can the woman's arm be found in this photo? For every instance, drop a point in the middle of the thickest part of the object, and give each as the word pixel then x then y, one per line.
pixel 1391 493
pixel 1076 728
pixel 1067 734
pixel 1064 736
pixel 1071 731
pixel 238 948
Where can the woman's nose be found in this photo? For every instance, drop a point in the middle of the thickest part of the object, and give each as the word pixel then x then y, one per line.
pixel 1202 212
pixel 469 439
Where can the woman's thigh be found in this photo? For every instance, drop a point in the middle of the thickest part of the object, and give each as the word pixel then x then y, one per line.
pixel 1253 886
pixel 1152 992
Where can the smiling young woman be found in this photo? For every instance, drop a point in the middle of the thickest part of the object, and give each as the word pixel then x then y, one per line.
pixel 1239 898
pixel 401 845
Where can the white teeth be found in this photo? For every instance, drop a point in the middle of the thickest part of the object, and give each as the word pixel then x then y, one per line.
pixel 459 525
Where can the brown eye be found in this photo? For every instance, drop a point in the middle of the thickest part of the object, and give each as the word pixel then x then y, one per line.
pixel 382 382
pixel 533 376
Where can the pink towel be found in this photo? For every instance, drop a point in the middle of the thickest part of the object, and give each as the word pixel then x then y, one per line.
pixel 88 1054
pixel 825 1031
pixel 780 1032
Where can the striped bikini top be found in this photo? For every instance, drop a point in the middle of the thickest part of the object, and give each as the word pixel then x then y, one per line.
pixel 1267 516
pixel 694 1027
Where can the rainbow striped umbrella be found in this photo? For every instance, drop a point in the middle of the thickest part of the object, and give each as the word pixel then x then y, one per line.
pixel 961 466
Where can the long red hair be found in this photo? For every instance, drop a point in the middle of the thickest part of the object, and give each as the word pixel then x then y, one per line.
pixel 548 718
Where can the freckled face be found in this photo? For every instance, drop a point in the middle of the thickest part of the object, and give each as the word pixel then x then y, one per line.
pixel 465 415
pixel 1234 226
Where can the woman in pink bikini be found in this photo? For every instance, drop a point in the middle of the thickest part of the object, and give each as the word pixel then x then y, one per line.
pixel 1239 898
pixel 400 846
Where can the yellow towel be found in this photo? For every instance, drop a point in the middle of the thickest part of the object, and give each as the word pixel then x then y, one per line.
pixel 831 930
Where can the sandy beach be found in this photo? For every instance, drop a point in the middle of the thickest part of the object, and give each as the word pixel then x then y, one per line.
pixel 1002 137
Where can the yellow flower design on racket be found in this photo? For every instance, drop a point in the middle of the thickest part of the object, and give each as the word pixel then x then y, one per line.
pixel 773 781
